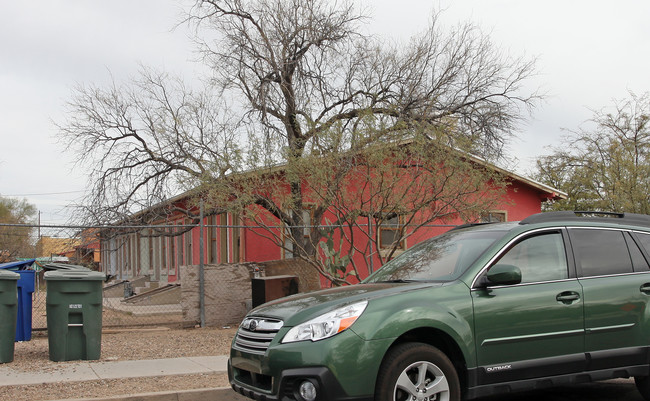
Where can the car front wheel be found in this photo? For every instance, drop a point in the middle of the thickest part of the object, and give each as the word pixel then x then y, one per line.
pixel 417 372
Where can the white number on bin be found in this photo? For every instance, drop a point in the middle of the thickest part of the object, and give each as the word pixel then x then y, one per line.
pixel 75 306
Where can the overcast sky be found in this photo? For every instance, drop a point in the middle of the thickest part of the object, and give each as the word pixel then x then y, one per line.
pixel 590 52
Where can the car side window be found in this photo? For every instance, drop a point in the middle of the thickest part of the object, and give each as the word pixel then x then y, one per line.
pixel 638 260
pixel 645 240
pixel 540 258
pixel 600 252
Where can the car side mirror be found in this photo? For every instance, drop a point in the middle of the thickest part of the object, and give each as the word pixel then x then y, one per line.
pixel 502 274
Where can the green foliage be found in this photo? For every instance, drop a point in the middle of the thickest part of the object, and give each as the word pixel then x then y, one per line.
pixel 16 211
pixel 413 174
pixel 15 241
pixel 607 167
pixel 334 262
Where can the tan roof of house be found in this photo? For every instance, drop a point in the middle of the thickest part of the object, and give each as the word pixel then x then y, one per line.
pixel 48 246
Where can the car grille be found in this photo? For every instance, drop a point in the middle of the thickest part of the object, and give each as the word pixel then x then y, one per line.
pixel 255 334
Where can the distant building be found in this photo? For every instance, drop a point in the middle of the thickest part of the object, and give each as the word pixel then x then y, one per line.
pixel 87 252
pixel 52 246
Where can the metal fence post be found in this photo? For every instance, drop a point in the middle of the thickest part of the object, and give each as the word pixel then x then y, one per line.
pixel 371 265
pixel 201 271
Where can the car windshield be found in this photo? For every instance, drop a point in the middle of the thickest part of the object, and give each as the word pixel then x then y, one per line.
pixel 442 258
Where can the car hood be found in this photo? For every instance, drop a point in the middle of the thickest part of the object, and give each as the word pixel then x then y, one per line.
pixel 299 308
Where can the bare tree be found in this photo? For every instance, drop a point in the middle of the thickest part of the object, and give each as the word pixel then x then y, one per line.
pixel 144 141
pixel 316 97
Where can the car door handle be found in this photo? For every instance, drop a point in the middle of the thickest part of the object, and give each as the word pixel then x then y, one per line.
pixel 645 288
pixel 568 297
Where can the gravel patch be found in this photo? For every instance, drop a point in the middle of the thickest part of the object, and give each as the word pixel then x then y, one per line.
pixel 123 345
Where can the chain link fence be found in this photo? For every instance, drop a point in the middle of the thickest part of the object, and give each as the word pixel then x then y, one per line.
pixel 153 279
pixel 146 268
pixel 125 304
pixel 132 295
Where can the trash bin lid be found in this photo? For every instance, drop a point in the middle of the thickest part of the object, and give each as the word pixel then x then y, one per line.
pixel 64 266
pixel 8 275
pixel 75 275
pixel 19 265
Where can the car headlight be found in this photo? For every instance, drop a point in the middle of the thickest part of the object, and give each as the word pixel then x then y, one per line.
pixel 326 325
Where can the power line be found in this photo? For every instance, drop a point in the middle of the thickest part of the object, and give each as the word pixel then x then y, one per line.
pixel 45 194
pixel 168 226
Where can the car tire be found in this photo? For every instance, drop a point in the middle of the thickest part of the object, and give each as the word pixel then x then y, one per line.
pixel 643 385
pixel 417 370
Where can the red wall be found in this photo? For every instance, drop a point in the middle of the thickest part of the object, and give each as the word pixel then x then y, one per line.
pixel 521 201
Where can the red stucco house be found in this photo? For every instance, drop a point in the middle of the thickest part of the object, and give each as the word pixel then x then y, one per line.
pixel 228 239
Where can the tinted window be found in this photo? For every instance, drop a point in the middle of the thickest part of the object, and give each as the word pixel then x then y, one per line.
pixel 645 241
pixel 540 258
pixel 638 260
pixel 600 252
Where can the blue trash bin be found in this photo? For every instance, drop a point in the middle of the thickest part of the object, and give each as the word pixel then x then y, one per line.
pixel 25 291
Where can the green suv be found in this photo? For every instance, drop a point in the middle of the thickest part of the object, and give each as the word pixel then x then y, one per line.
pixel 555 299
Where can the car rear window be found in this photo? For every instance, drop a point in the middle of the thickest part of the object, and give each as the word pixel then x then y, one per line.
pixel 600 252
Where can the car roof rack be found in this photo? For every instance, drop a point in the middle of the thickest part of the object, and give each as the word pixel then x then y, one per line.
pixel 460 227
pixel 594 216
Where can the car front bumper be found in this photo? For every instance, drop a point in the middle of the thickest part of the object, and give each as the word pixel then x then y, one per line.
pixel 328 387
pixel 343 367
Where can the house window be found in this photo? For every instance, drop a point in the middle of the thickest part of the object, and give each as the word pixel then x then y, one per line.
pixel 236 238
pixel 156 262
pixel 287 250
pixel 163 253
pixel 494 217
pixel 390 232
pixel 212 240
pixel 172 251
pixel 150 243
pixel 175 248
pixel 307 218
pixel 188 244
pixel 223 238
pixel 179 245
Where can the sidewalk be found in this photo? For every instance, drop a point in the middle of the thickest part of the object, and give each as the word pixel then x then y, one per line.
pixel 211 394
pixel 83 371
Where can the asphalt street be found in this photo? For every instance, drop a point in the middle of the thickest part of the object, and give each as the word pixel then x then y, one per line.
pixel 620 390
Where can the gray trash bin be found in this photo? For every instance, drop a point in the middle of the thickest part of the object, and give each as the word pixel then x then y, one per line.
pixel 8 314
pixel 74 314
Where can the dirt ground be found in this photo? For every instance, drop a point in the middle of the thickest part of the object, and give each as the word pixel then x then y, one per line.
pixel 121 345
